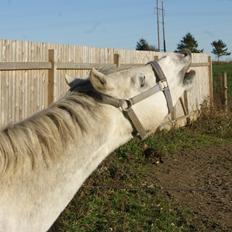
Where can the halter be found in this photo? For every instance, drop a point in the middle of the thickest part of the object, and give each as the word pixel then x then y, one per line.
pixel 126 104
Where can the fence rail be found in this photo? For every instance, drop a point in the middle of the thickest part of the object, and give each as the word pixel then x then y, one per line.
pixel 32 74
pixel 13 66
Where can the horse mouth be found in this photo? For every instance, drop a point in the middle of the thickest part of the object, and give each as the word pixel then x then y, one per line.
pixel 189 74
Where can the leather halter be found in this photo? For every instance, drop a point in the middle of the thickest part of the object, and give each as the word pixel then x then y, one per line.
pixel 161 78
pixel 126 104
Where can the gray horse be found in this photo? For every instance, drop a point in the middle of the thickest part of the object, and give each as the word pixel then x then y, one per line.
pixel 45 159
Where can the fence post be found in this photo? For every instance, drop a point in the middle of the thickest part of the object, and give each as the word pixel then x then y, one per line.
pixel 173 115
pixel 156 58
pixel 117 59
pixel 210 72
pixel 225 91
pixel 51 75
pixel 184 103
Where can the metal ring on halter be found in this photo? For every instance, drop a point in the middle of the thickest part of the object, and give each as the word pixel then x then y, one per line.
pixel 125 104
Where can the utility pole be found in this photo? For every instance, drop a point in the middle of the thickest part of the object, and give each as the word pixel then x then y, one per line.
pixel 164 41
pixel 158 23
pixel 159 10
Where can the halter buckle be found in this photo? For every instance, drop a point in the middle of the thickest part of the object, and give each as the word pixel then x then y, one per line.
pixel 163 85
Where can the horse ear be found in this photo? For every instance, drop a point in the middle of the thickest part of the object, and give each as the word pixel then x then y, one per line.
pixel 98 80
pixel 69 80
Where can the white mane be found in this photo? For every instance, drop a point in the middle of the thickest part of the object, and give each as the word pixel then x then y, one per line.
pixel 61 124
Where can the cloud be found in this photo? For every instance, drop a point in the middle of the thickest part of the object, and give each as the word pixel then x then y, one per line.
pixel 93 28
pixel 209 33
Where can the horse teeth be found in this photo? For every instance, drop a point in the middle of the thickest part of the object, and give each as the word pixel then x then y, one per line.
pixel 189 71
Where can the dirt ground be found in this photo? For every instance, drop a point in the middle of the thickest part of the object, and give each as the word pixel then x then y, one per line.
pixel 201 180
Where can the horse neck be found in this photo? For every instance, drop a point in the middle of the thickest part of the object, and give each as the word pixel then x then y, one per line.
pixel 53 187
pixel 113 131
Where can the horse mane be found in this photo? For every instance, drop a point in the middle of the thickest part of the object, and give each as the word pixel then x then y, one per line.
pixel 46 134
pixel 106 69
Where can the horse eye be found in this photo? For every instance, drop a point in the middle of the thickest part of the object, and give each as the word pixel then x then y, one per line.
pixel 142 81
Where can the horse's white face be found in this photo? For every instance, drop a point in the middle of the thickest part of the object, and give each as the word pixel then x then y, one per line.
pixel 130 82
pixel 176 69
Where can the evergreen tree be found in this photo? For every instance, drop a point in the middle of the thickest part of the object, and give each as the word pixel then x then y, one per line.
pixel 142 44
pixel 188 42
pixel 219 49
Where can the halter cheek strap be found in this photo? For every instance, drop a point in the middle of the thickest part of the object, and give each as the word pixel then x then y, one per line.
pixel 126 104
pixel 160 77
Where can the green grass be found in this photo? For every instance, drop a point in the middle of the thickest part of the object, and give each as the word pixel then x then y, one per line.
pixel 218 70
pixel 121 195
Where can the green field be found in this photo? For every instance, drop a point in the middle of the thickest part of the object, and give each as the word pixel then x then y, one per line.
pixel 218 70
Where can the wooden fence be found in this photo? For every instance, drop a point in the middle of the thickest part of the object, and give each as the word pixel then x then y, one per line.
pixel 32 75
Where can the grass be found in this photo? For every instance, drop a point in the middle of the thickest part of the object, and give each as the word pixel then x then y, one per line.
pixel 121 195
pixel 218 70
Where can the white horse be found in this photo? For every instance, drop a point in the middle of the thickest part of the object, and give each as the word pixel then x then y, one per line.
pixel 46 158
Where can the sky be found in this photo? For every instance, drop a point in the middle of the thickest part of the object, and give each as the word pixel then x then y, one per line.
pixel 116 24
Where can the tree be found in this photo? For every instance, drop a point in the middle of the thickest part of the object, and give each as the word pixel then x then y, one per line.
pixel 142 44
pixel 188 42
pixel 219 49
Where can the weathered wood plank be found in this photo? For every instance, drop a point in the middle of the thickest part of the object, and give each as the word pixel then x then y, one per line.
pixel 200 64
pixel 210 79
pixel 26 79
pixel 117 59
pixel 51 76
pixel 79 66
pixel 7 66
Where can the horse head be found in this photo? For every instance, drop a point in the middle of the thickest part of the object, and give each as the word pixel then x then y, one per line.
pixel 135 81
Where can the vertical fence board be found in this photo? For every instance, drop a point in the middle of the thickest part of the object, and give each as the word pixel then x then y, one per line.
pixel 52 83
pixel 225 92
pixel 210 74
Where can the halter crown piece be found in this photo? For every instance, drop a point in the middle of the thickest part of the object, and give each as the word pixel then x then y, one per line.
pixel 126 104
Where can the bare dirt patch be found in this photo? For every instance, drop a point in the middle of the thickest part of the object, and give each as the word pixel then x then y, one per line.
pixel 201 179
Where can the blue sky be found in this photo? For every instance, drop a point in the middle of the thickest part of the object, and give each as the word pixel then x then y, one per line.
pixel 119 24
